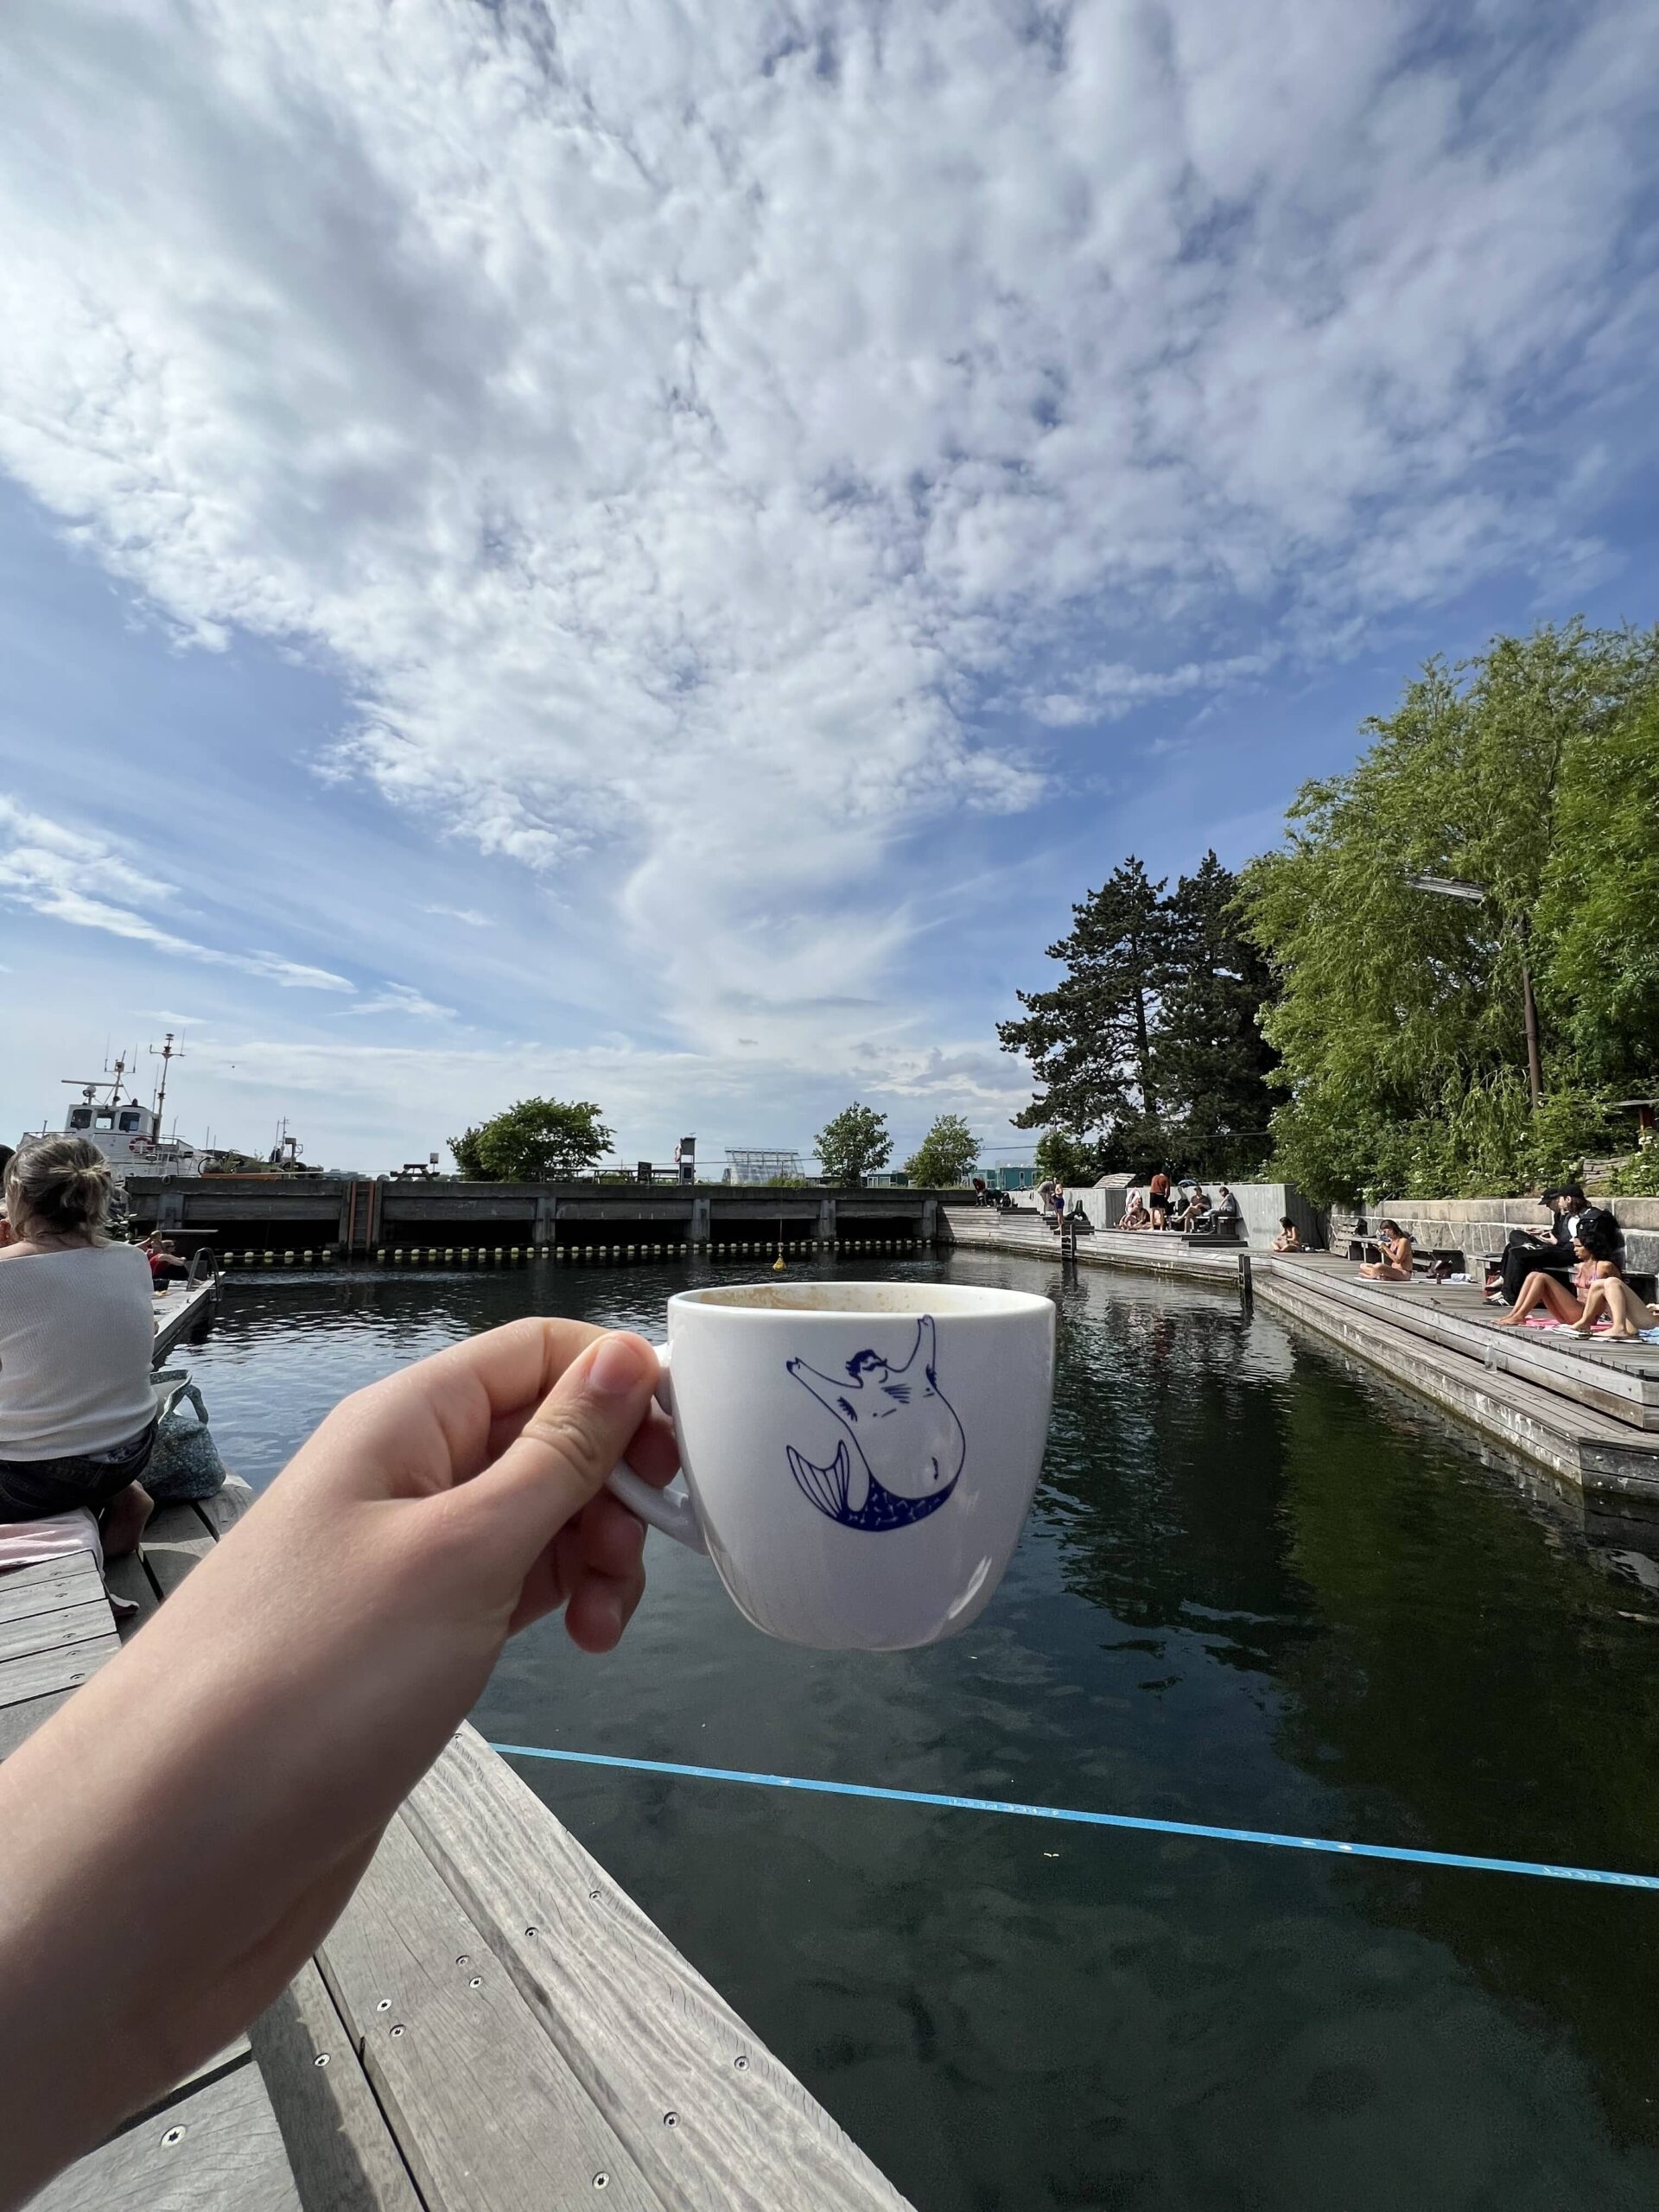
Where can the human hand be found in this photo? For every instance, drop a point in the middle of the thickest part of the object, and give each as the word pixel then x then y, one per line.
pixel 184 1831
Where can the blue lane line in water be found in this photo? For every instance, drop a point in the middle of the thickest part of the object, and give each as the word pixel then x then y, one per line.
pixel 1392 1851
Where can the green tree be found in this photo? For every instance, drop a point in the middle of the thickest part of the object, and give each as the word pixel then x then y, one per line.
pixel 1089 1039
pixel 537 1141
pixel 1399 1019
pixel 945 1157
pixel 1064 1160
pixel 1599 915
pixel 1213 1060
pixel 853 1144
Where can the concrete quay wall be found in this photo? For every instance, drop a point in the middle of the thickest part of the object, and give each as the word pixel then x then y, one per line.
pixel 1480 1227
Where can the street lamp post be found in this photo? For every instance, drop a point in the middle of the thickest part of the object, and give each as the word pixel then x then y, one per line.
pixel 1451 886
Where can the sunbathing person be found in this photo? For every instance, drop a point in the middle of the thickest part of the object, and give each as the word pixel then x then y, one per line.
pixel 1197 1205
pixel 1289 1238
pixel 1595 1250
pixel 1395 1266
pixel 1135 1214
pixel 1610 1298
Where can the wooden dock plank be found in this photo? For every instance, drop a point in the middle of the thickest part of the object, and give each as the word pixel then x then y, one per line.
pixel 487 2112
pixel 127 1577
pixel 637 2026
pixel 176 1539
pixel 19 1722
pixel 217 2148
pixel 83 1620
pixel 37 1674
pixel 343 2154
pixel 49 1586
pixel 237 2052
pixel 180 1537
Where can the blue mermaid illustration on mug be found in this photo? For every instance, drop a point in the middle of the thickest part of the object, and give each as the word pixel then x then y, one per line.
pixel 907 1444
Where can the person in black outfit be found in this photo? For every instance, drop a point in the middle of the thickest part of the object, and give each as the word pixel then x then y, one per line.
pixel 1529 1254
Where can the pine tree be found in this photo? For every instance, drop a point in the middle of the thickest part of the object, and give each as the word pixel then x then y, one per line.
pixel 1090 1041
pixel 1213 1060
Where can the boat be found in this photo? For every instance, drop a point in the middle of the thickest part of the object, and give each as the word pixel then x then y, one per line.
pixel 127 1132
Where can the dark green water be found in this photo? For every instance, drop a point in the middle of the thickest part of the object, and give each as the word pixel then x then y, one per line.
pixel 1258 1589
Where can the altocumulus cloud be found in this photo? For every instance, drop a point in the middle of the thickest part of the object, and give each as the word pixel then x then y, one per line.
pixel 702 431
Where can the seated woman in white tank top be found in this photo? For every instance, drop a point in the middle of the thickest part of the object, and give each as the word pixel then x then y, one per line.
pixel 77 1335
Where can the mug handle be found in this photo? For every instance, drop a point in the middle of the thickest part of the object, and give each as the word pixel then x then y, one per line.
pixel 670 1511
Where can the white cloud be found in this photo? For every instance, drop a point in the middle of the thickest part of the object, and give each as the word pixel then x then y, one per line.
pixel 72 876
pixel 400 998
pixel 470 915
pixel 681 421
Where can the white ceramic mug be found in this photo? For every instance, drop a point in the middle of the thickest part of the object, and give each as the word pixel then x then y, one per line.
pixel 859 1458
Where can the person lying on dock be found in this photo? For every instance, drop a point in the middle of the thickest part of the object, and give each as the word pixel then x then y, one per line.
pixel 1395 1266
pixel 1135 1214
pixel 1289 1238
pixel 183 1833
pixel 1596 1251
pixel 77 1333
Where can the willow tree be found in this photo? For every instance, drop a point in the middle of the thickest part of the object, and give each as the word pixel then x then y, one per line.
pixel 1400 1017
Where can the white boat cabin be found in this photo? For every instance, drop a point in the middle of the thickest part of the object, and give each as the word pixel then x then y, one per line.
pixel 130 1137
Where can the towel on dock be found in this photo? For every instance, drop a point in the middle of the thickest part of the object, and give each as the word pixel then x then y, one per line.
pixel 56 1535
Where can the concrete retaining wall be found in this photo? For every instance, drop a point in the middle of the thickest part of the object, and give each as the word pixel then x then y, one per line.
pixel 1480 1227
pixel 1261 1205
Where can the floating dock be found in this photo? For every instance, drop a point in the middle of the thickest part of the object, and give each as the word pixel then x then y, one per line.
pixel 490 2026
pixel 1587 1410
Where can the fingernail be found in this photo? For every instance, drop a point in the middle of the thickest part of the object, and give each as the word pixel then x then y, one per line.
pixel 615 1369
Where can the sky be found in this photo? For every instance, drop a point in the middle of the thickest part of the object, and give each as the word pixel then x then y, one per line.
pixel 648 552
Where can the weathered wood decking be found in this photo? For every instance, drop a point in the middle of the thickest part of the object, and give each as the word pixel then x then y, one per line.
pixel 178 1310
pixel 1588 1411
pixel 493 2025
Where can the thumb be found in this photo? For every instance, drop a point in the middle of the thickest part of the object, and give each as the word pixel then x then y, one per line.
pixel 563 1455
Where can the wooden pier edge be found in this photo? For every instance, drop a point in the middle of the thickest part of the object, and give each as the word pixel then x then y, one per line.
pixel 712 2118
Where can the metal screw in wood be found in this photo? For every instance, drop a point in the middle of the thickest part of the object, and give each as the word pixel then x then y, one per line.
pixel 477 1982
pixel 670 2120
pixel 465 1960
pixel 601 2180
pixel 742 2064
pixel 385 2006
pixel 532 1931
pixel 397 2032
pixel 321 2058
pixel 173 2135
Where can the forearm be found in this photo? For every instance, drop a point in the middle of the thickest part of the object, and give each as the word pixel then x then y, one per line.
pixel 166 1839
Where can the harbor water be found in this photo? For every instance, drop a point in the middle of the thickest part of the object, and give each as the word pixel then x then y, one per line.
pixel 1259 1589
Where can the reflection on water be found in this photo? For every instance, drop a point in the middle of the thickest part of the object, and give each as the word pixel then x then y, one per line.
pixel 1258 1588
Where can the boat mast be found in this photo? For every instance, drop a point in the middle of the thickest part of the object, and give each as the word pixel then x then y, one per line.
pixel 167 1053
